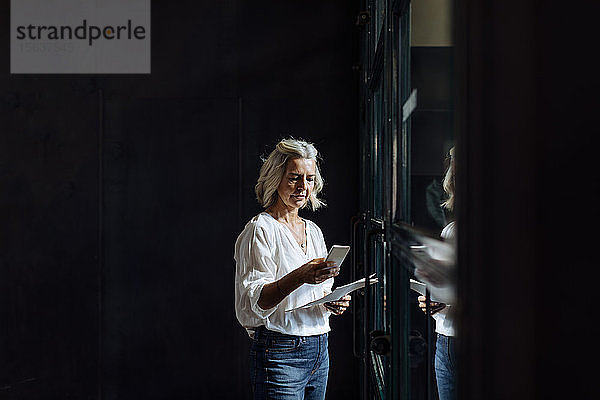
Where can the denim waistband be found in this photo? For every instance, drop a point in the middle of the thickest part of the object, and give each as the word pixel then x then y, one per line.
pixel 263 332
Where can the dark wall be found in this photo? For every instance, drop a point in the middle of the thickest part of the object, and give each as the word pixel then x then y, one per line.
pixel 528 117
pixel 122 197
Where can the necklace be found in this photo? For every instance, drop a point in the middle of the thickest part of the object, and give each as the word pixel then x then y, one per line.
pixel 300 237
pixel 304 239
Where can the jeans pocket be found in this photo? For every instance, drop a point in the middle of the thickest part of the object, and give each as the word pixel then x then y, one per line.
pixel 282 345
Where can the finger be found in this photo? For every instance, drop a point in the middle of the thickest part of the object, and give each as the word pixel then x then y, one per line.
pixel 331 308
pixel 324 266
pixel 328 273
pixel 342 303
pixel 323 277
pixel 421 298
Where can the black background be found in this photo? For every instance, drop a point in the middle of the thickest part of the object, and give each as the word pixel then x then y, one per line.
pixel 122 197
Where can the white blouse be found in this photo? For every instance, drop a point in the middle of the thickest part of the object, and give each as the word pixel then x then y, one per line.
pixel 444 319
pixel 266 251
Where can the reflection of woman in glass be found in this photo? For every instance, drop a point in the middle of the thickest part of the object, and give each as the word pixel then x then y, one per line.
pixel 445 356
pixel 280 265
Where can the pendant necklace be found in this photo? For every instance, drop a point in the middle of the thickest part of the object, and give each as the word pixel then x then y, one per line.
pixel 303 240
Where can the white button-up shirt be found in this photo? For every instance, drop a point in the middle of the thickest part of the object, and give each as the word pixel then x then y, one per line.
pixel 444 320
pixel 266 251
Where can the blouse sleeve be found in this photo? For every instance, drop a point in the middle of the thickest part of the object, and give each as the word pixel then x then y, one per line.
pixel 255 269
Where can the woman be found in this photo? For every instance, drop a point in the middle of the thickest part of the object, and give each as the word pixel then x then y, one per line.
pixel 445 353
pixel 280 265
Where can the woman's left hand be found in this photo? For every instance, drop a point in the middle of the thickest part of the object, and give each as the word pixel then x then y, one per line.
pixel 338 307
pixel 434 307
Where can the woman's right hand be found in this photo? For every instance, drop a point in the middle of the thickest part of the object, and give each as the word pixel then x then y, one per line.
pixel 318 270
pixel 314 271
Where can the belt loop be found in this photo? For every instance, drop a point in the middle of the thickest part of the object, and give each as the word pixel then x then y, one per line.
pixel 258 332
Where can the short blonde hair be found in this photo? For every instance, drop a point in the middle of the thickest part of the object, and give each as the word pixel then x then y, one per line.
pixel 274 167
pixel 449 184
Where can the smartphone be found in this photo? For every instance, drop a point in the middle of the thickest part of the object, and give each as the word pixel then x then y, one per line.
pixel 337 254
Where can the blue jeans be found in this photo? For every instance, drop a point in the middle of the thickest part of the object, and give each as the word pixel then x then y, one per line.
pixel 445 367
pixel 286 367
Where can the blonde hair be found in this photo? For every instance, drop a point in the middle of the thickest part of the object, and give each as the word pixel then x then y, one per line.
pixel 449 184
pixel 274 167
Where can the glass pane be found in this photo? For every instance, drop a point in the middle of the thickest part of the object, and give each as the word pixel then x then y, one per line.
pixel 430 135
pixel 431 131
pixel 379 17
pixel 402 143
pixel 377 153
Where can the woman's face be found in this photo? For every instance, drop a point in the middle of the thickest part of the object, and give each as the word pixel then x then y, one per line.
pixel 297 183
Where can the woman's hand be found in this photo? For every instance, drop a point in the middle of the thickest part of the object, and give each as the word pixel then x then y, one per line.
pixel 313 272
pixel 318 271
pixel 433 306
pixel 338 307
